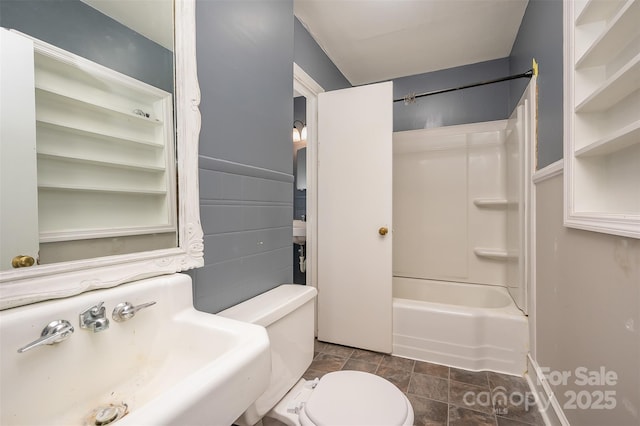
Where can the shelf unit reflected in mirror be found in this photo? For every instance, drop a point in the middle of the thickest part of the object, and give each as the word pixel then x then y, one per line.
pixel 105 155
pixel 103 268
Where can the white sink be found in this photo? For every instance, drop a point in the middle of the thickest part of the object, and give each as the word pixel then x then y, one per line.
pixel 299 232
pixel 169 364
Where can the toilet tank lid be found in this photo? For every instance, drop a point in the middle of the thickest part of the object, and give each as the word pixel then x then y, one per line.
pixel 268 307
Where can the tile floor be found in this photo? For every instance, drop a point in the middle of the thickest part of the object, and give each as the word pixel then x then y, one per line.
pixel 440 395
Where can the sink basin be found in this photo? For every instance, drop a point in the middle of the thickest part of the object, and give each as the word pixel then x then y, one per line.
pixel 299 232
pixel 169 364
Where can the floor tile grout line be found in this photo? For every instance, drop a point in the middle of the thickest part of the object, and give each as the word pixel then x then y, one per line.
pixel 523 422
pixel 409 383
pixel 378 366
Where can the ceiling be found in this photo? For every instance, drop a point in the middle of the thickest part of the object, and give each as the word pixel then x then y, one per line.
pixel 376 40
pixel 372 40
pixel 151 18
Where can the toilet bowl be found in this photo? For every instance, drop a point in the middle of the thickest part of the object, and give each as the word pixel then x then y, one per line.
pixel 345 398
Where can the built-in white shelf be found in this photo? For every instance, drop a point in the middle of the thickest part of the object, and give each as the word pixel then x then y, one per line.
pixel 92 233
pixel 110 164
pixel 619 140
pixel 595 10
pixel 112 138
pixel 80 188
pixel 621 29
pixel 614 89
pixel 62 99
pixel 490 202
pixel 602 116
pixel 495 254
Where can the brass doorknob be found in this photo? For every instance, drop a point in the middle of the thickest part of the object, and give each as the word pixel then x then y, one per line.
pixel 383 231
pixel 22 261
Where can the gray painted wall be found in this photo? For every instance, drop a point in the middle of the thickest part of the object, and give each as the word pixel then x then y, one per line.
pixel 485 103
pixel 310 57
pixel 587 283
pixel 245 71
pixel 587 310
pixel 245 55
pixel 80 29
pixel 540 37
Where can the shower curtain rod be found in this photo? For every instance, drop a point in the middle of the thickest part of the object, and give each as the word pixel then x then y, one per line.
pixel 411 98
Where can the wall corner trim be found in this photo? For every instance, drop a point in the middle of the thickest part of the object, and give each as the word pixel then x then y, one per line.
pixel 552 170
pixel 302 77
pixel 546 400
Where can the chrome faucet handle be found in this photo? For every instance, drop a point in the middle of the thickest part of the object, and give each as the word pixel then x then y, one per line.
pixel 125 310
pixel 54 332
pixel 95 318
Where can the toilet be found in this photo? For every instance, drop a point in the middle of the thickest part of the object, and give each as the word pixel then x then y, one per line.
pixel 346 398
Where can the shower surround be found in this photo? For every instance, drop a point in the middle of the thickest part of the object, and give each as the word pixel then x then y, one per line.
pixel 458 288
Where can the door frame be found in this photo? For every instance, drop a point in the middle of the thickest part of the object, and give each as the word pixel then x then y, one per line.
pixel 309 88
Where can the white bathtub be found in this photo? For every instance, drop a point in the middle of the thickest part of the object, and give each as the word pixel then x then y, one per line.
pixel 470 326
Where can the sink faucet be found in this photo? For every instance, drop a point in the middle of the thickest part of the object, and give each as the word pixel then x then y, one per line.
pixel 125 310
pixel 95 318
pixel 54 332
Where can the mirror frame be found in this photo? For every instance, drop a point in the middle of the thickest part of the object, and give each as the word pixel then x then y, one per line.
pixel 23 286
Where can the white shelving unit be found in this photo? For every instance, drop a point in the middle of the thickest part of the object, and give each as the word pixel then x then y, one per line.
pixel 602 116
pixel 105 151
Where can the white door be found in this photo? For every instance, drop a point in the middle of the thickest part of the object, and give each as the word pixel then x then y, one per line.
pixel 355 158
pixel 18 176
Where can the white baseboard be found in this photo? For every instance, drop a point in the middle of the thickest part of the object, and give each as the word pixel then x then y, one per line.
pixel 548 404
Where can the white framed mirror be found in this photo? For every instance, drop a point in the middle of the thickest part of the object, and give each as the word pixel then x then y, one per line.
pixel 62 279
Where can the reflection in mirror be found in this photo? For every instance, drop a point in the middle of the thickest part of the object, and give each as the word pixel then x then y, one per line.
pixel 102 71
pixel 301 168
pixel 121 146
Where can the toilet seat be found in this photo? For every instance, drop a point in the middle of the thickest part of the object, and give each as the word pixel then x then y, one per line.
pixel 355 398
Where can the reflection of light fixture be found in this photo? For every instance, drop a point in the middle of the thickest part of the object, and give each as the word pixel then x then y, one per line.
pixel 299 135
